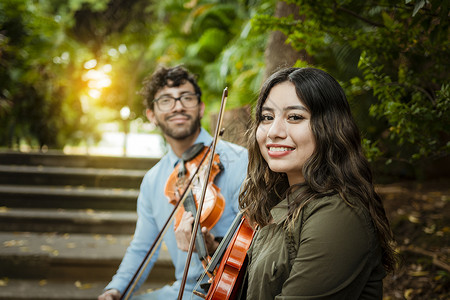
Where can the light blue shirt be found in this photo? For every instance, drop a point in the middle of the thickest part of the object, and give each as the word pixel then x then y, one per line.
pixel 154 209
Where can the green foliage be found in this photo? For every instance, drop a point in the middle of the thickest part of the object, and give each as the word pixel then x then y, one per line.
pixel 31 76
pixel 50 49
pixel 217 41
pixel 392 57
pixel 44 45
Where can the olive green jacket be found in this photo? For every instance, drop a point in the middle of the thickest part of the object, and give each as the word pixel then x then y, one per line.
pixel 333 249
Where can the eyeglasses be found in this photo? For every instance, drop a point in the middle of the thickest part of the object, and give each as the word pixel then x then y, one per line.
pixel 166 103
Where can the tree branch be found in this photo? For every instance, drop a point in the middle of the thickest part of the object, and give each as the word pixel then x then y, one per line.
pixel 352 13
pixel 425 92
pixel 435 259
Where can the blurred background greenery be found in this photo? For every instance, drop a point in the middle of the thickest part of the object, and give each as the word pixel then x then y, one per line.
pixel 72 69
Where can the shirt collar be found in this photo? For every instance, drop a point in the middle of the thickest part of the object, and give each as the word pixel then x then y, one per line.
pixel 204 137
pixel 280 211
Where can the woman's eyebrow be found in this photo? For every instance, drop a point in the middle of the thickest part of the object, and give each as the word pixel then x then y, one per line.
pixel 292 107
pixel 267 108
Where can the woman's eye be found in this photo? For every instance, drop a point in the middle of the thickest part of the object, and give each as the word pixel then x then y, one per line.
pixel 295 117
pixel 266 118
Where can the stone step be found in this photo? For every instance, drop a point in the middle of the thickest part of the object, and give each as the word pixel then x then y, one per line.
pixel 74 197
pixel 67 220
pixel 65 224
pixel 57 176
pixel 74 257
pixel 59 159
pixel 53 289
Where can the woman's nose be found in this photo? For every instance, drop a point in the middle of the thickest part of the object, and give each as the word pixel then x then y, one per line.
pixel 277 129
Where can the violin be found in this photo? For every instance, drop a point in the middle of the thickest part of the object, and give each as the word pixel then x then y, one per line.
pixel 214 203
pixel 232 256
pixel 218 132
pixel 183 197
pixel 186 195
pixel 225 279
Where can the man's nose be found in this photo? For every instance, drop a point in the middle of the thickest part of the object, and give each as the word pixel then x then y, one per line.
pixel 178 105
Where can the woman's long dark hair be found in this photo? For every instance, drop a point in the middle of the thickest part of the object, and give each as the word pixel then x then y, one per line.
pixel 337 164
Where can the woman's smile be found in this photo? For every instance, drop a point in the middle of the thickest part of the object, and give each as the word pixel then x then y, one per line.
pixel 279 150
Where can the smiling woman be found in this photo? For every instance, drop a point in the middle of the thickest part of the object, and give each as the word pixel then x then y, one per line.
pixel 323 231
pixel 284 134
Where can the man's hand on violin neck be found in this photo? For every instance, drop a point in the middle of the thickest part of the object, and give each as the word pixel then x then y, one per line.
pixel 112 294
pixel 184 231
pixel 211 243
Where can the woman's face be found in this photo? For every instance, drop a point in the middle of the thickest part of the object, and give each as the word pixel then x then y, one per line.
pixel 284 135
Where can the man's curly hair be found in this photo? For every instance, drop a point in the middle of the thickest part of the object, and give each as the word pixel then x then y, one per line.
pixel 171 77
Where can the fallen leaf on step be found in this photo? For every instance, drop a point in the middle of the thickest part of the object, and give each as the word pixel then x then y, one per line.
pixel 414 219
pixel 4 281
pixel 13 243
pixel 82 286
pixel 111 239
pixel 46 248
pixel 408 293
pixel 418 273
pixel 3 209
pixel 43 282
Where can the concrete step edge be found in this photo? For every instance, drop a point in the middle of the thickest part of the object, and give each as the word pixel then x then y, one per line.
pixel 58 158
pixel 68 247
pixel 77 215
pixel 70 256
pixel 48 289
pixel 68 191
pixel 67 220
pixel 43 170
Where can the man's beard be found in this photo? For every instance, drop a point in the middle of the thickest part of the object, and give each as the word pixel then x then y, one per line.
pixel 180 133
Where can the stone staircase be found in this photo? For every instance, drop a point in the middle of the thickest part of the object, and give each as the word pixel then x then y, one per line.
pixel 65 223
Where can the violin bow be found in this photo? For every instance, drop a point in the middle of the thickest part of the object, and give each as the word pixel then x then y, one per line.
pixel 137 275
pixel 217 132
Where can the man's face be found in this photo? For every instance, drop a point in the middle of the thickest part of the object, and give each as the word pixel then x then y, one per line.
pixel 179 122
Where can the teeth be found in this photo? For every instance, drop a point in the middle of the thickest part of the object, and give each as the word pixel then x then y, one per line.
pixel 279 149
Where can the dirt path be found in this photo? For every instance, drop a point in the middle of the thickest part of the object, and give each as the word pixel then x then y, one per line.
pixel 420 218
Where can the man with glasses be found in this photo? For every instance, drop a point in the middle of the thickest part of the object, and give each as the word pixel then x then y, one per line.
pixel 174 104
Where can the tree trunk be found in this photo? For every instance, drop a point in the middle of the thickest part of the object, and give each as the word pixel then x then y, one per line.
pixel 279 54
pixel 236 122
